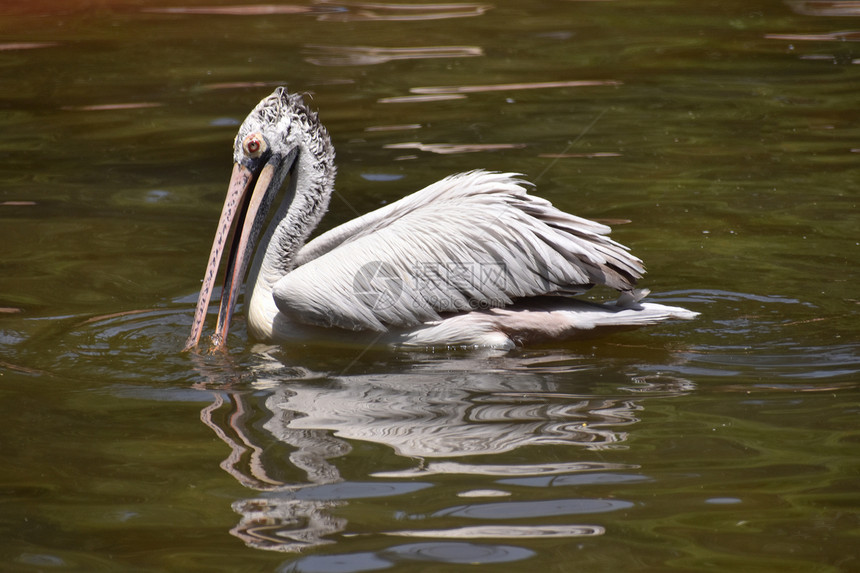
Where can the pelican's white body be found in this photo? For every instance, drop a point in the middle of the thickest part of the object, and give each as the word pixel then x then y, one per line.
pixel 472 260
pixel 439 225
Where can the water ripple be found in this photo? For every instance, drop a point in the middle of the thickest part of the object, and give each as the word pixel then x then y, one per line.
pixel 465 553
pixel 374 11
pixel 450 148
pixel 523 509
pixel 440 552
pixel 443 468
pixel 371 55
pixel 825 7
pixel 504 531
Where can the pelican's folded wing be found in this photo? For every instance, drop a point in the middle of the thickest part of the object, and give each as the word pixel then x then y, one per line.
pixel 471 241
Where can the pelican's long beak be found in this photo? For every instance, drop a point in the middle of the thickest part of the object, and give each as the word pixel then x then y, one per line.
pixel 244 208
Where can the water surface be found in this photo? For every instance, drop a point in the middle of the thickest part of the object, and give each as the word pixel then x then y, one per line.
pixel 725 133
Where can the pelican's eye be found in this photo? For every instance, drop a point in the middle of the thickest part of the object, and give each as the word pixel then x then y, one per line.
pixel 254 145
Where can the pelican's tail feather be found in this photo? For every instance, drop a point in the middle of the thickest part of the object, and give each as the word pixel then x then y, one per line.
pixel 632 314
pixel 550 318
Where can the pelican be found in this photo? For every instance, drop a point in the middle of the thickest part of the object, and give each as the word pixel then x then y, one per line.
pixel 472 260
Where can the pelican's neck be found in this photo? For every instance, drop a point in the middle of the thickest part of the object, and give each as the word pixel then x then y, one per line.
pixel 306 201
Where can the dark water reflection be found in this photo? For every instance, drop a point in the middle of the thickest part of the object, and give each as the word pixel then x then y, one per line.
pixel 285 440
pixel 724 133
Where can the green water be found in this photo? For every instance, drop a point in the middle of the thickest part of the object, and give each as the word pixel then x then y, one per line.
pixel 727 133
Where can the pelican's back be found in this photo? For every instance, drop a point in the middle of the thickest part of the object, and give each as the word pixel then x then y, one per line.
pixel 470 241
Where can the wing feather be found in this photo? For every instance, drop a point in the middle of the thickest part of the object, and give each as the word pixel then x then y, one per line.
pixel 471 241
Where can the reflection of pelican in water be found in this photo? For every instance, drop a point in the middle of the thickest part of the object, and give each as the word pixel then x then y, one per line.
pixel 470 260
pixel 284 438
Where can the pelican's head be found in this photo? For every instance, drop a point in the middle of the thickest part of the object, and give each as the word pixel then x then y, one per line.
pixel 268 132
pixel 264 151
